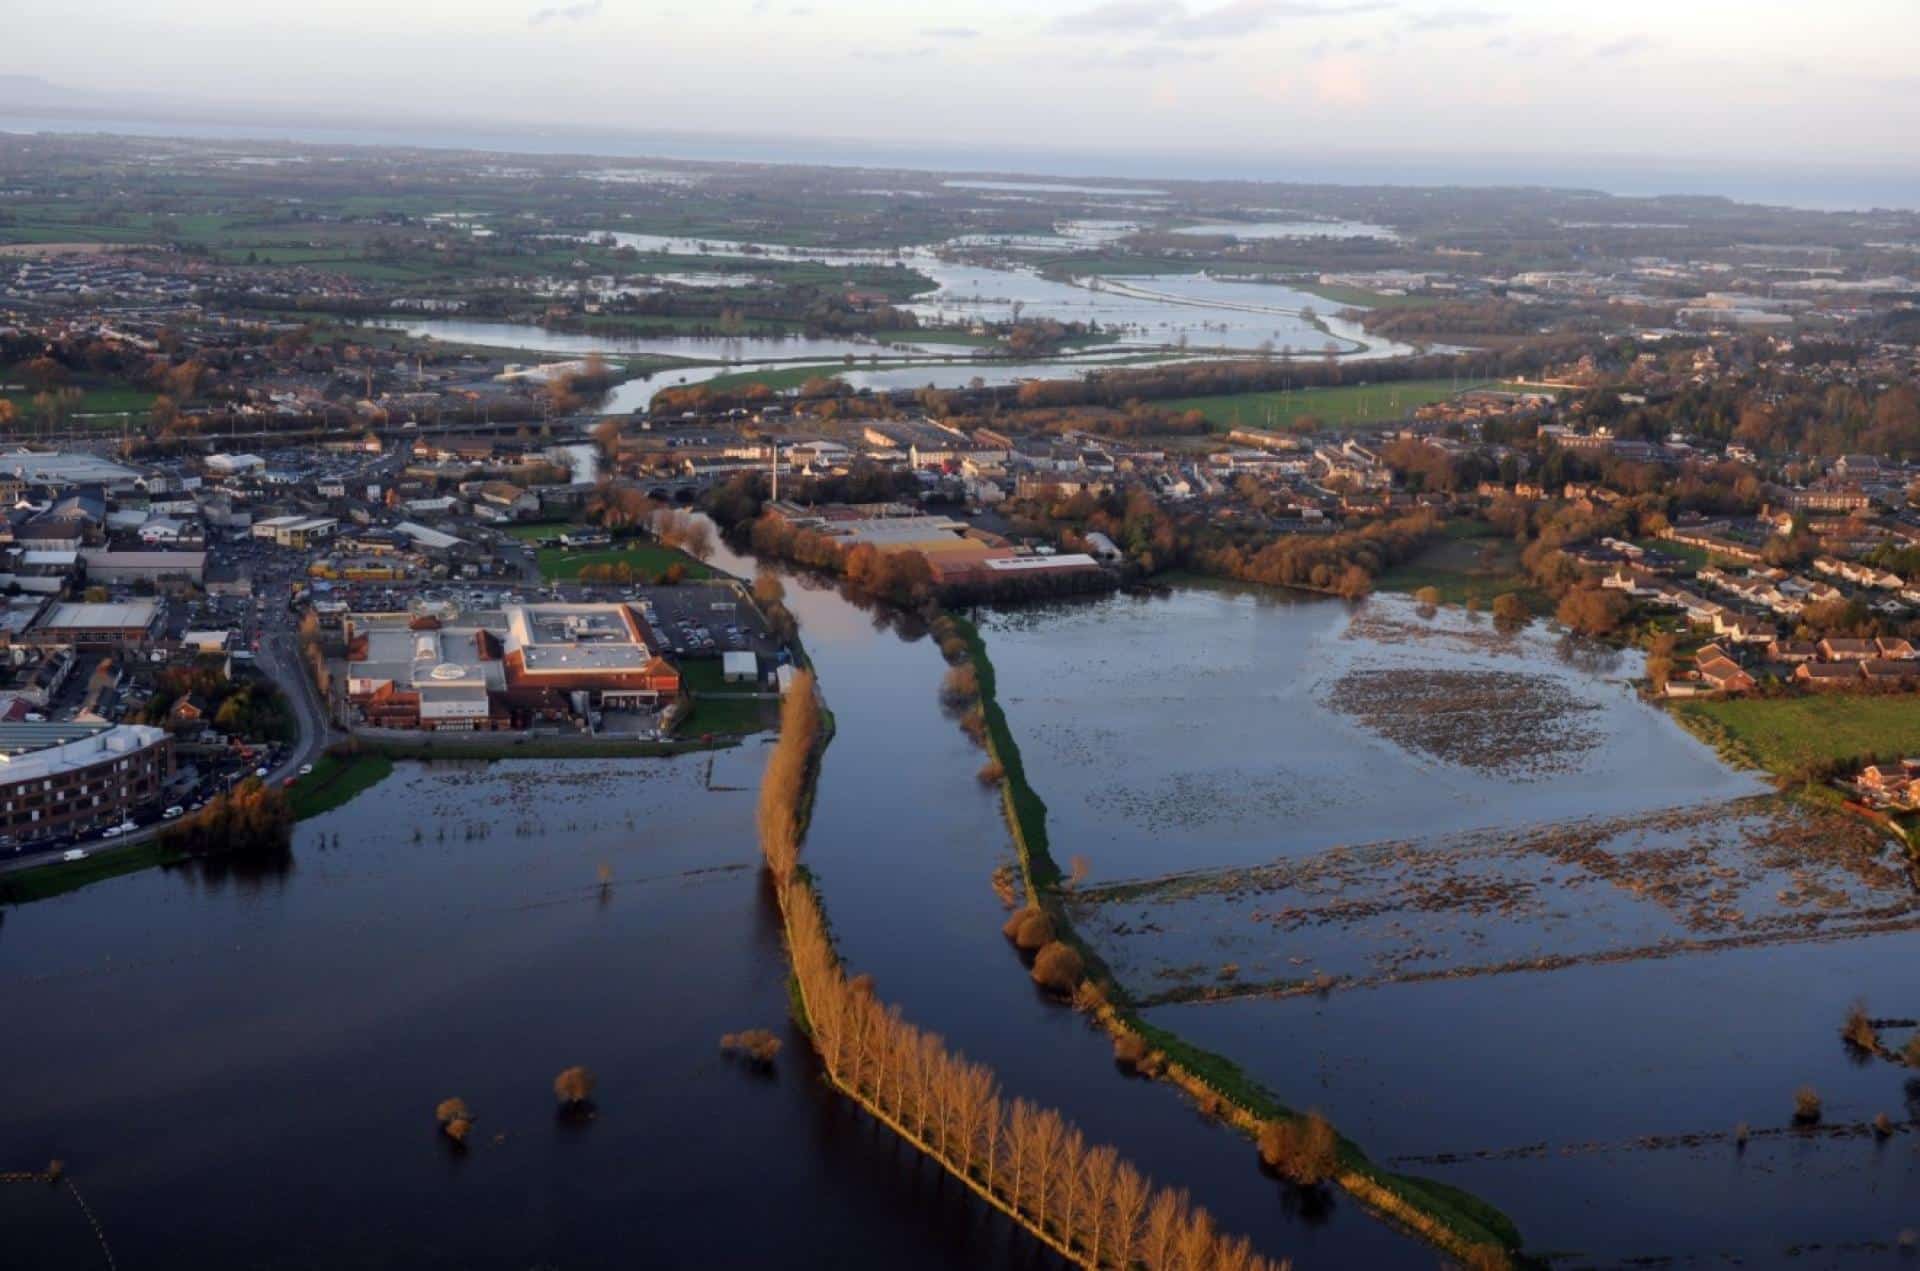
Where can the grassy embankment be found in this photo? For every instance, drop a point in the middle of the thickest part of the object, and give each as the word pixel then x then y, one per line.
pixel 336 781
pixel 1471 561
pixel 1340 407
pixel 59 877
pixel 1458 1222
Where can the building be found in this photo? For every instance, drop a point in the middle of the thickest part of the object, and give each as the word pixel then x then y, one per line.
pixel 98 626
pixel 61 779
pixel 144 567
pixel 297 532
pixel 503 669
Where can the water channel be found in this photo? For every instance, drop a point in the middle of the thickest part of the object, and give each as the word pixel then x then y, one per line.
pixel 238 1062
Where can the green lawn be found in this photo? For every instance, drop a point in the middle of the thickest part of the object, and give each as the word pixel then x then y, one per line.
pixel 1785 735
pixel 1470 562
pixel 560 565
pixel 1336 407
pixel 727 715
pixel 113 400
pixel 335 782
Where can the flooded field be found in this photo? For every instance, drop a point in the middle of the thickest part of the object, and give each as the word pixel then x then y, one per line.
pixel 1506 925
pixel 1656 885
pixel 1220 727
pixel 239 1062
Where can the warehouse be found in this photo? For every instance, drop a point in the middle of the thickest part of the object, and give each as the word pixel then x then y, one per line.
pixel 98 626
pixel 144 567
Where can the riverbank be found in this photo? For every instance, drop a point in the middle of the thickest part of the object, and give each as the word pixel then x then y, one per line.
pixel 1083 1202
pixel 1458 1223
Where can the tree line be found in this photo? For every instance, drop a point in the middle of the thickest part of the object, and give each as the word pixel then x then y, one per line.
pixel 1082 1199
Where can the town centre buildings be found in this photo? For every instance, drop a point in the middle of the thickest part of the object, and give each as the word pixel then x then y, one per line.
pixel 505 668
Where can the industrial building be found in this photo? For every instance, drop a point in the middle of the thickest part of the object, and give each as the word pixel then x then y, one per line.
pixel 59 779
pixel 144 567
pixel 503 669
pixel 98 626
pixel 296 532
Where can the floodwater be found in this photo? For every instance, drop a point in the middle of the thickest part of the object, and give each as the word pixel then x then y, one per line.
pixel 1566 952
pixel 1286 229
pixel 1202 729
pixel 238 1064
pixel 1159 310
pixel 520 335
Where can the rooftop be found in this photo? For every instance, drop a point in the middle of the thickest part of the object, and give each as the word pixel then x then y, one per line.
pixel 131 613
pixel 29 752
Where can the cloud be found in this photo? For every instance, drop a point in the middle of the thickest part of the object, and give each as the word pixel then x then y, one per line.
pixel 1625 46
pixel 575 12
pixel 893 55
pixel 1242 17
pixel 950 32
pixel 1172 19
pixel 1121 15
pixel 1144 58
pixel 1454 19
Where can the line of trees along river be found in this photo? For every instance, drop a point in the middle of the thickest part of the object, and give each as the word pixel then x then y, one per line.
pixel 1082 1200
pixel 902 843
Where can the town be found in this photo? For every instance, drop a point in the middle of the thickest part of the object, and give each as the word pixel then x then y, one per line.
pixel 835 602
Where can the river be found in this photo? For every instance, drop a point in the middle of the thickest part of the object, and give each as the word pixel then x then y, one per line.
pixel 238 1063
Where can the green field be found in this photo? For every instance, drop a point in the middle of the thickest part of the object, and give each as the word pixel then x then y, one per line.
pixel 1470 562
pixel 1339 407
pixel 1349 297
pixel 726 715
pixel 114 401
pixel 557 564
pixel 1785 735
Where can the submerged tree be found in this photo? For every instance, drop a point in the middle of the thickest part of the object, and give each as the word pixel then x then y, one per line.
pixel 574 1086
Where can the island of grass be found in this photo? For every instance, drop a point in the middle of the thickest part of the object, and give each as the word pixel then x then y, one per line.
pixel 1342 406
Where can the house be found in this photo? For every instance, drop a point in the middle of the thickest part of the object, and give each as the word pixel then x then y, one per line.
pixel 1889 670
pixel 1720 671
pixel 1896 648
pixel 1839 649
pixel 1827 674
pixel 1792 651
pixel 189 710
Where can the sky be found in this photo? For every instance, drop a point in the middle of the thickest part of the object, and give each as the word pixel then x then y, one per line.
pixel 1772 81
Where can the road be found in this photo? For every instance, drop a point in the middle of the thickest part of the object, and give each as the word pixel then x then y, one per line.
pixel 279 661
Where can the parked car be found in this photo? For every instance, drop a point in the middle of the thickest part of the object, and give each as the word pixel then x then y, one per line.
pixel 173 813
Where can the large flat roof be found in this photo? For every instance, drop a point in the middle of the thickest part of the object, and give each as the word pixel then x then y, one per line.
pixel 71 616
pixel 57 754
pixel 583 637
pixel 63 468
